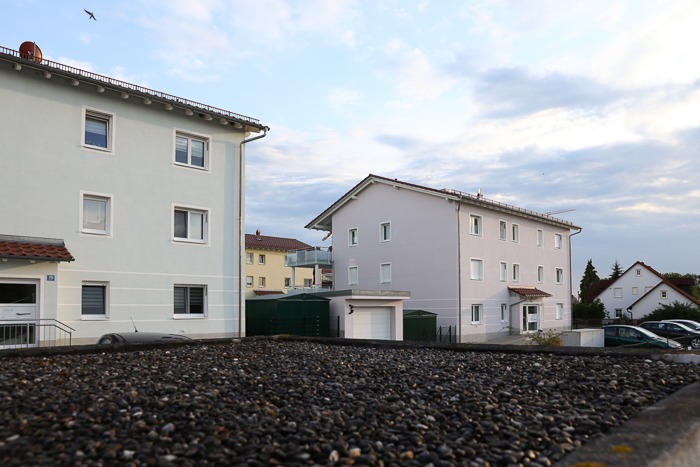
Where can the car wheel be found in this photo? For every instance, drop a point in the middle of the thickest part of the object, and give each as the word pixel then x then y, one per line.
pixel 695 343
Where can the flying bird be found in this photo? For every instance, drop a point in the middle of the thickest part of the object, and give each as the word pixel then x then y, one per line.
pixel 92 16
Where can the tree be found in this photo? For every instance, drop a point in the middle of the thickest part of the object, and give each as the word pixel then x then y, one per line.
pixel 590 277
pixel 616 270
pixel 588 311
pixel 675 310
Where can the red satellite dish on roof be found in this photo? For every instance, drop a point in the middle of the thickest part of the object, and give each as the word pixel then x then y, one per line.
pixel 30 51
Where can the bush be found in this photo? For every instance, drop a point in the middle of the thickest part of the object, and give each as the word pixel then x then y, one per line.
pixel 588 311
pixel 675 310
pixel 550 338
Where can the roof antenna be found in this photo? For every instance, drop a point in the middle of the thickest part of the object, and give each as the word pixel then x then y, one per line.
pixel 132 322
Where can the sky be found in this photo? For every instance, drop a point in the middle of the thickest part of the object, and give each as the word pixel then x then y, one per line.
pixel 590 108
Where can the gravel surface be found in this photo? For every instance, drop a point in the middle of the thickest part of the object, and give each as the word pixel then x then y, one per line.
pixel 276 402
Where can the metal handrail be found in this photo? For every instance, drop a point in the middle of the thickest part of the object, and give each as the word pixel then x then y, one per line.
pixel 134 87
pixel 66 332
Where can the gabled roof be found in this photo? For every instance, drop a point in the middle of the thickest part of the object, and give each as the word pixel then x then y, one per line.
pixel 529 292
pixel 672 286
pixel 324 220
pixel 54 70
pixel 264 242
pixel 34 249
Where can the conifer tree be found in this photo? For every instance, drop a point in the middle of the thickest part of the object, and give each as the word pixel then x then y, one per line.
pixel 590 277
pixel 616 270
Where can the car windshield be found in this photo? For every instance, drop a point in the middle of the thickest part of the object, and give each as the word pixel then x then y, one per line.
pixel 648 333
pixel 688 324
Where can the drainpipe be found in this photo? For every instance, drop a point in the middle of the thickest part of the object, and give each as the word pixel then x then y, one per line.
pixel 241 229
pixel 459 273
pixel 571 278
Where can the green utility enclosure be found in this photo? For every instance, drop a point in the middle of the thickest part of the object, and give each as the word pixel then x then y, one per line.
pixel 419 325
pixel 296 314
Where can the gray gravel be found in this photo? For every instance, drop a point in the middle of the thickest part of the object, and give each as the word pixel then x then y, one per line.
pixel 276 402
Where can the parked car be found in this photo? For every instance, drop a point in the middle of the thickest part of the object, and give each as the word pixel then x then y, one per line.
pixel 139 338
pixel 676 331
pixel 621 335
pixel 688 322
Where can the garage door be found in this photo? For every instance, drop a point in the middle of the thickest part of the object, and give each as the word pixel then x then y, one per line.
pixel 373 323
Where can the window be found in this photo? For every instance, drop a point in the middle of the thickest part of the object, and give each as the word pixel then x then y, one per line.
pixel 516 233
pixel 540 237
pixel 503 268
pixel 664 294
pixel 618 312
pixel 261 282
pixel 191 150
pixel 261 259
pixel 504 312
pixel 475 225
pixel 477 270
pixel 540 274
pixel 617 292
pixel 352 237
pixel 190 225
pixel 560 311
pixel 96 214
pixel 476 314
pixel 385 232
pixel 287 282
pixel 94 300
pixel 385 273
pixel 635 290
pixel 352 275
pixel 307 283
pixel 557 241
pixel 502 229
pixel 559 273
pixel 98 129
pixel 638 272
pixel 516 273
pixel 249 258
pixel 189 299
pixel 249 281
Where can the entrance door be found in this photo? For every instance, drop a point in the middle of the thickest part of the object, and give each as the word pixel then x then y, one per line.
pixel 531 318
pixel 19 313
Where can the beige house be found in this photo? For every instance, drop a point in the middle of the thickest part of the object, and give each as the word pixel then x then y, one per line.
pixel 265 269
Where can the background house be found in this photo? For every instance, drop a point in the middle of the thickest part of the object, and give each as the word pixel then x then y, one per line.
pixel 121 206
pixel 485 268
pixel 639 291
pixel 265 268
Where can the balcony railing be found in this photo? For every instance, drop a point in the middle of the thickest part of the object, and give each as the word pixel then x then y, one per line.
pixel 309 258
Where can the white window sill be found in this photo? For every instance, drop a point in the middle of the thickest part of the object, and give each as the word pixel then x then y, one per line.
pixel 94 317
pixel 189 242
pixel 188 316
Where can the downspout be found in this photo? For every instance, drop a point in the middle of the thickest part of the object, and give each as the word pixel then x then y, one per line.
pixel 571 286
pixel 459 273
pixel 241 229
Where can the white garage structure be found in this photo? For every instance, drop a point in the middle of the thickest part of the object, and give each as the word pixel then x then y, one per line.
pixel 367 314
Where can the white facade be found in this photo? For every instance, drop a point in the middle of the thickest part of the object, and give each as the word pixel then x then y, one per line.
pixel 456 254
pixel 151 208
pixel 639 291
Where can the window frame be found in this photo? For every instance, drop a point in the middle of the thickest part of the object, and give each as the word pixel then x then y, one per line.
pixel 477 311
pixel 287 282
pixel 664 294
pixel 616 294
pixel 559 311
pixel 516 272
pixel 515 231
pixel 110 122
pixel 539 241
pixel 191 136
pixel 261 259
pixel 540 274
pixel 558 241
pixel 384 269
pixel 476 225
pixel 353 236
pixel 109 209
pixel 249 258
pixel 558 276
pixel 249 281
pixel 308 283
pixel 206 221
pixel 262 282
pixel 503 271
pixel 188 314
pixel 504 313
pixel 353 279
pixel 480 272
pixel 385 232
pixel 105 299
pixel 502 230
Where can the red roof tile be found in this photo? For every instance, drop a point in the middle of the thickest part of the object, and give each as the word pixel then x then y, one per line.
pixel 529 292
pixel 264 242
pixel 48 250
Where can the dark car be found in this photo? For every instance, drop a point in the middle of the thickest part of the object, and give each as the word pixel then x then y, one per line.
pixel 676 331
pixel 621 335
pixel 139 338
pixel 688 322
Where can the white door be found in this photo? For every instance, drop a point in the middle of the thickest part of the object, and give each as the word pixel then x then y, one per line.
pixel 19 313
pixel 373 323
pixel 531 318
